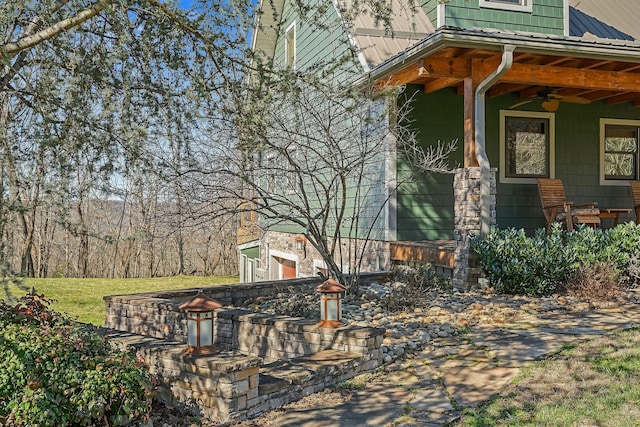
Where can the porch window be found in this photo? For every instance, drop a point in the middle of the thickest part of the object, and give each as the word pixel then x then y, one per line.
pixel 619 151
pixel 517 5
pixel 526 149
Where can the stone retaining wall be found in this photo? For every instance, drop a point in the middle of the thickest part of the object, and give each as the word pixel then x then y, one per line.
pixel 278 337
pixel 156 314
pixel 227 386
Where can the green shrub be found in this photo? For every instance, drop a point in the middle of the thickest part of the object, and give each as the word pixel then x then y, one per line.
pixel 56 372
pixel 518 264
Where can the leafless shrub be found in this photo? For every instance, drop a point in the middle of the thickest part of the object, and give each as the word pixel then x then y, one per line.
pixel 597 282
pixel 414 287
pixel 630 278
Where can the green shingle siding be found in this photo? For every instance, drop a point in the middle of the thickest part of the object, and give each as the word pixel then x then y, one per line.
pixel 326 28
pixel 546 18
pixel 425 208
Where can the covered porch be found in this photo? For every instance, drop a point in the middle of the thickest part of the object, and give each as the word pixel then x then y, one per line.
pixel 524 75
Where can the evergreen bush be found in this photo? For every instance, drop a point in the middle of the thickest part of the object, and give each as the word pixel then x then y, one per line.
pixel 57 372
pixel 536 265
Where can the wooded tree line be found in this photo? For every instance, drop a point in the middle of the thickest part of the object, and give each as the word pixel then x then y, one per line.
pixel 100 102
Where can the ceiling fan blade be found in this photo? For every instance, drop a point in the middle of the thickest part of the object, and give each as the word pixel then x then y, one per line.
pixel 569 98
pixel 575 100
pixel 551 105
pixel 522 103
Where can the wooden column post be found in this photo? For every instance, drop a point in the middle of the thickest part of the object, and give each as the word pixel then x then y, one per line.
pixel 471 83
pixel 470 159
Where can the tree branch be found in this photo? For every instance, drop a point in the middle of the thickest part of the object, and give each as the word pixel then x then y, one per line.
pixel 11 49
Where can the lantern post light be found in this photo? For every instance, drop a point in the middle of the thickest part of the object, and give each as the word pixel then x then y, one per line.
pixel 330 303
pixel 200 324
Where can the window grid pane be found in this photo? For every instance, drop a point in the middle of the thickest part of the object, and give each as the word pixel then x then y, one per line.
pixel 527 147
pixel 621 152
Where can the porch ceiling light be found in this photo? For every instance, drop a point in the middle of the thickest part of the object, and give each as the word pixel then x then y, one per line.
pixel 331 293
pixel 200 324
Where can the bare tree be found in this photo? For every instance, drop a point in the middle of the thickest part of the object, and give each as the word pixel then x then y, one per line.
pixel 314 162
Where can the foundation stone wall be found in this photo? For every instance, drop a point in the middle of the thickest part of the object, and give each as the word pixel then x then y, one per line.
pixel 377 257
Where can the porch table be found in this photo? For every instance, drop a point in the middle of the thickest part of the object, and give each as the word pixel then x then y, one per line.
pixel 613 213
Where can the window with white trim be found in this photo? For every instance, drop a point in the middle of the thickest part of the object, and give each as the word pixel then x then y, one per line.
pixel 517 5
pixel 527 146
pixel 619 151
pixel 270 166
pixel 290 46
pixel 292 171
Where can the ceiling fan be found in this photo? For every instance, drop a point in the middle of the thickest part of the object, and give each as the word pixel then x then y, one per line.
pixel 551 100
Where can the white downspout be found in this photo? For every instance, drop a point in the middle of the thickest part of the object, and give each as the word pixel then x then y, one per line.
pixel 481 153
pixel 441 13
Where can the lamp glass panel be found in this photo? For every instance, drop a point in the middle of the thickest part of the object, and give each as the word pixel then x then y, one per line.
pixel 192 332
pixel 206 331
pixel 332 307
pixel 323 303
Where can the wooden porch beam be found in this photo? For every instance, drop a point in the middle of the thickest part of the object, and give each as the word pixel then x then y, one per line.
pixel 620 99
pixel 570 77
pixel 470 159
pixel 438 84
pixel 520 74
pixel 407 75
pixel 471 83
pixel 447 68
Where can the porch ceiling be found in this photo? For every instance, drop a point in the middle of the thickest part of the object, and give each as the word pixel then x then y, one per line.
pixel 594 78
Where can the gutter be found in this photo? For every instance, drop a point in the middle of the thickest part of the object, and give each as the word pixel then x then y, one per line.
pixel 480 125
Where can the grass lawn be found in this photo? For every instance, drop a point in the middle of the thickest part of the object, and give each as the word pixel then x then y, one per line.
pixel 596 383
pixel 82 298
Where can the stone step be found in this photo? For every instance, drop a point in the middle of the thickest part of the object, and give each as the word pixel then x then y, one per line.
pixel 278 375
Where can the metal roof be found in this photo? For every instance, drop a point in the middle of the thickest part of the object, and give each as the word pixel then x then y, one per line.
pixel 409 25
pixel 610 19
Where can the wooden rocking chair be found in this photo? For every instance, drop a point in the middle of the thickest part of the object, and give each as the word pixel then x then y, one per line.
pixel 557 209
pixel 635 194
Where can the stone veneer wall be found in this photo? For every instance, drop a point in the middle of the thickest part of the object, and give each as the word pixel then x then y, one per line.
pixel 377 257
pixel 220 387
pixel 466 187
pixel 227 386
pixel 274 337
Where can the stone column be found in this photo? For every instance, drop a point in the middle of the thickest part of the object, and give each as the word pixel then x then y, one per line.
pixel 466 189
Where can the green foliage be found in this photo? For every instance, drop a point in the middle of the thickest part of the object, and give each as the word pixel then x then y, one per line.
pixel 59 373
pixel 518 264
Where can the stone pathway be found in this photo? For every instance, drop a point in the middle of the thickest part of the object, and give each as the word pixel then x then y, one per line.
pixel 434 381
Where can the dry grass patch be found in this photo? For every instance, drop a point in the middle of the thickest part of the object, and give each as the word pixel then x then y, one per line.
pixel 596 383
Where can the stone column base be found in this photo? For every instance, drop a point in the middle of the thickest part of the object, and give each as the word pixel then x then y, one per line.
pixel 466 188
